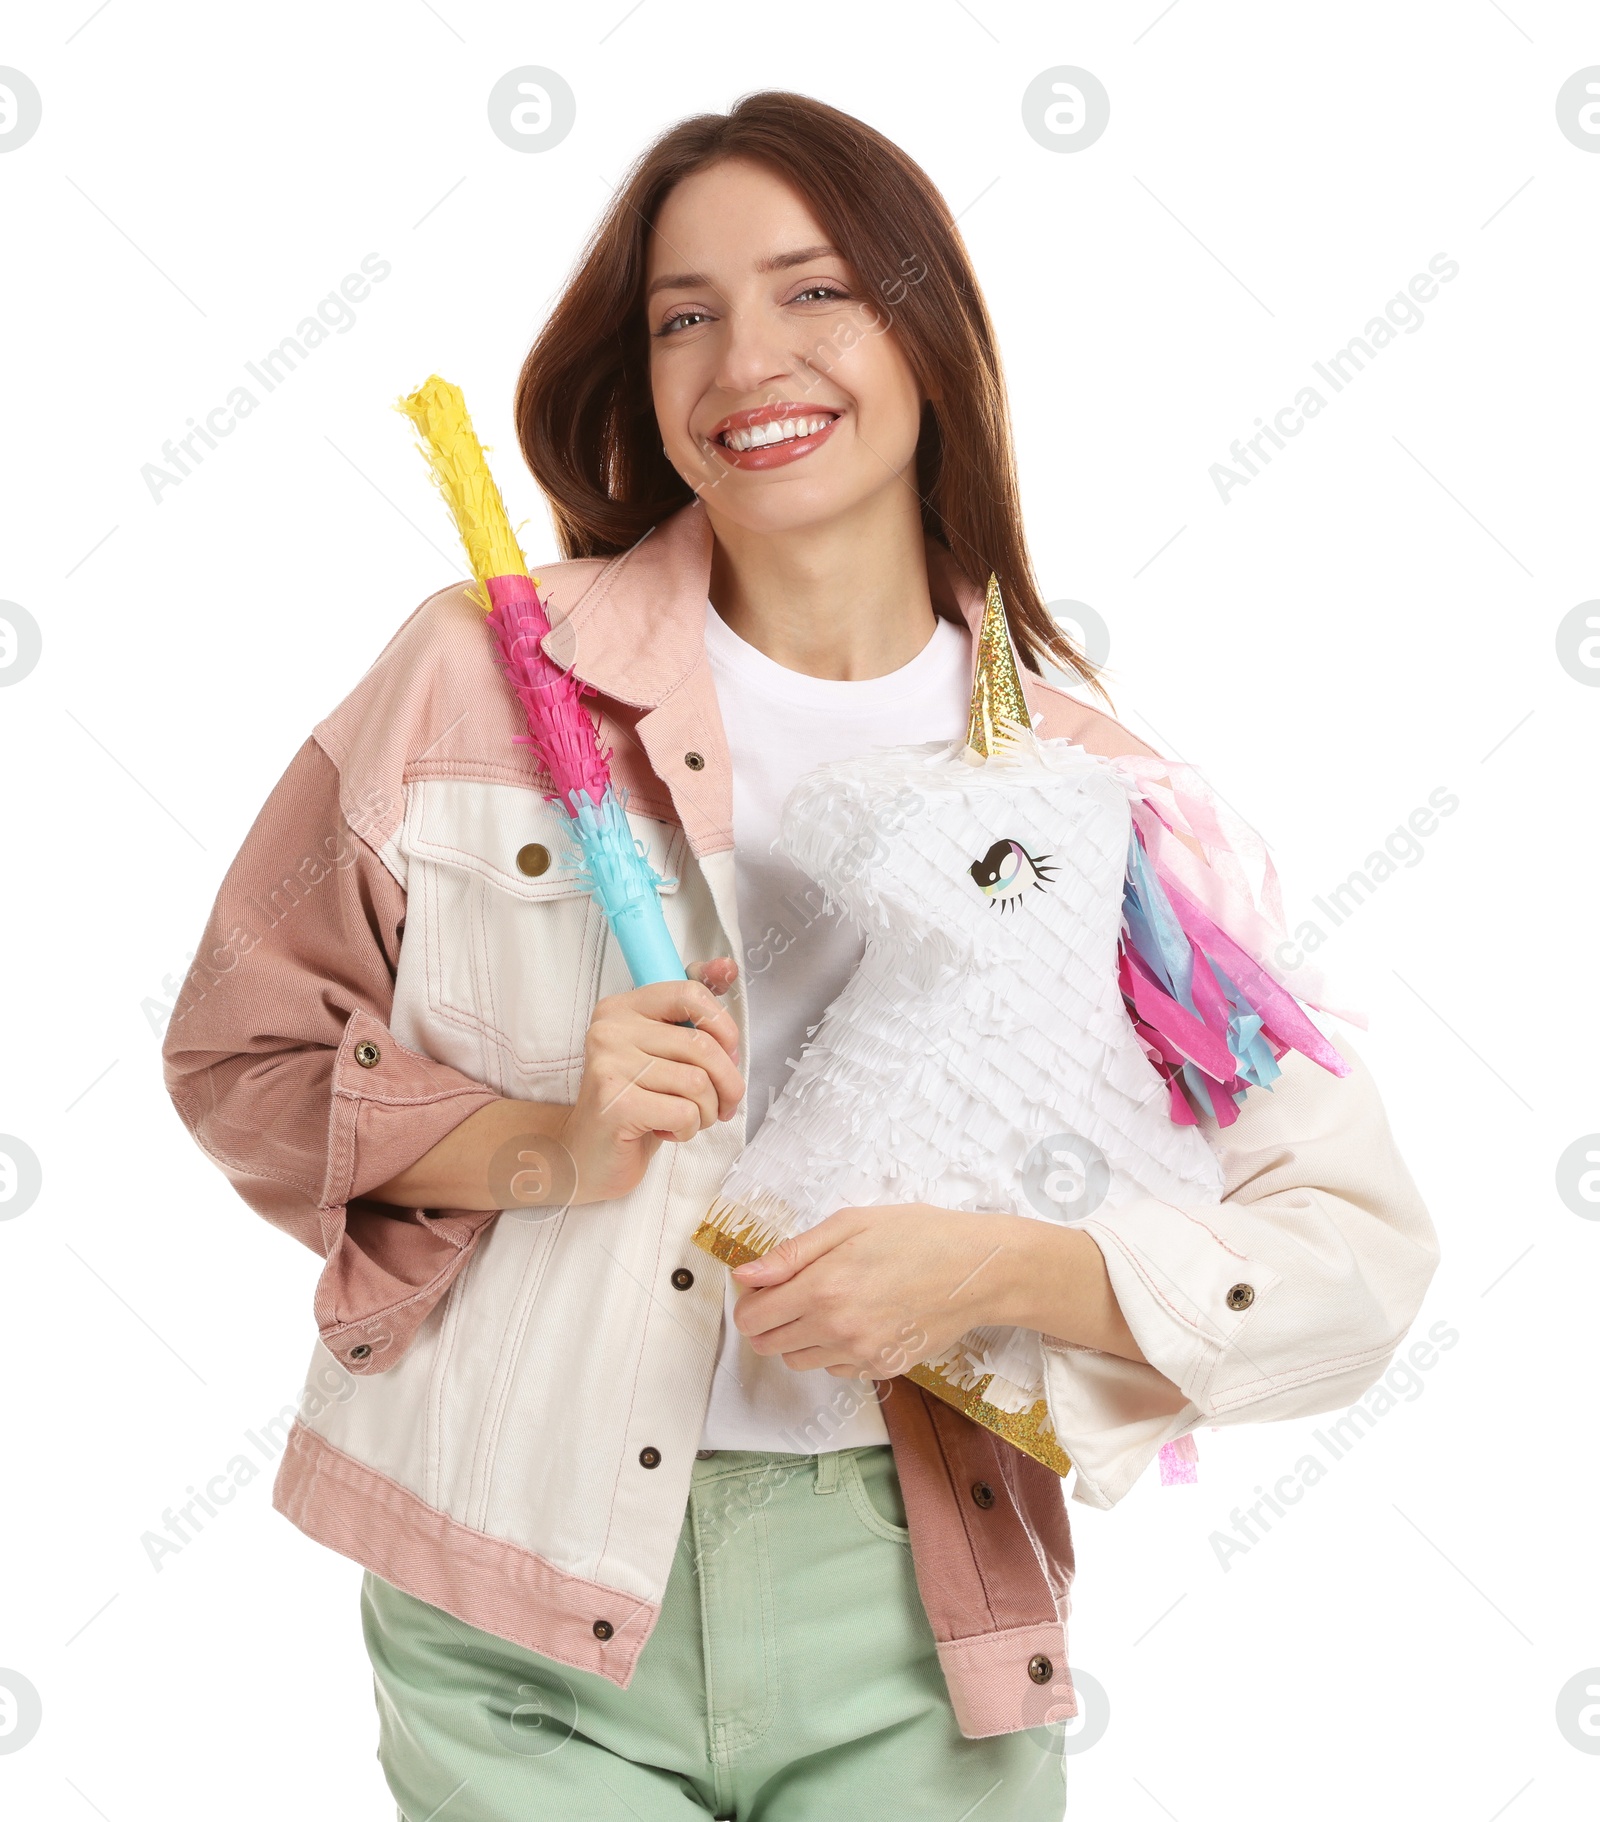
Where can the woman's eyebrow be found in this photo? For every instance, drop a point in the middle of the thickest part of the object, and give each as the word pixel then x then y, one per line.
pixel 774 262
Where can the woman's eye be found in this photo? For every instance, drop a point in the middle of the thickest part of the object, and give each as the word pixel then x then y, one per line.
pixel 826 291
pixel 678 317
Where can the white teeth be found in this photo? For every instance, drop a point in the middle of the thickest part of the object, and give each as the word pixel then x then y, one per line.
pixel 776 430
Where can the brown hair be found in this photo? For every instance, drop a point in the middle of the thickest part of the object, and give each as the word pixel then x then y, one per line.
pixel 584 414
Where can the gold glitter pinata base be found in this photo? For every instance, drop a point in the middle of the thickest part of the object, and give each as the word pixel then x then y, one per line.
pixel 732 1234
pixel 1027 1430
pixel 731 1243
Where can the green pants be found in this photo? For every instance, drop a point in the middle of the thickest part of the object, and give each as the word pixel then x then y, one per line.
pixel 791 1677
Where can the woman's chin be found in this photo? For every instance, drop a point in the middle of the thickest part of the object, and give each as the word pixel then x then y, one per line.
pixel 772 511
pixel 784 500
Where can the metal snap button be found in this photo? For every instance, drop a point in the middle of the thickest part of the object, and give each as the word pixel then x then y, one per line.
pixel 603 1629
pixel 982 1493
pixel 696 762
pixel 367 1053
pixel 1241 1297
pixel 534 859
pixel 650 1458
pixel 1040 1668
pixel 361 1351
pixel 704 1454
pixel 682 1278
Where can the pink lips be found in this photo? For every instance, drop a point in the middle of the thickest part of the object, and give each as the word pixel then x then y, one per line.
pixel 771 455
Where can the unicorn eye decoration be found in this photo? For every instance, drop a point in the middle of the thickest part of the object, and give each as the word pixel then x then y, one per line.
pixel 1007 871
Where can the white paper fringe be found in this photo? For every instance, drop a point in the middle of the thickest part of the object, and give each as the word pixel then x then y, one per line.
pixel 972 1029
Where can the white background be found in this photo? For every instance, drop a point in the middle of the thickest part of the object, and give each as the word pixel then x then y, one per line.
pixel 1372 617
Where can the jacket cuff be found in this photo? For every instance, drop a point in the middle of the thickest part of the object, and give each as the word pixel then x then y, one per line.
pixel 1187 1294
pixel 1111 1415
pixel 386 1266
pixel 391 1106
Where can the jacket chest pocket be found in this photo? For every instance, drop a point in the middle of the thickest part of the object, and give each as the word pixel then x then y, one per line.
pixel 513 947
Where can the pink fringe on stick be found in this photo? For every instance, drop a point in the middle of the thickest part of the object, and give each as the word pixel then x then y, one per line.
pixel 559 728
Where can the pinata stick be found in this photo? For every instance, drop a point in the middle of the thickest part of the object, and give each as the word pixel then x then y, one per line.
pixel 624 884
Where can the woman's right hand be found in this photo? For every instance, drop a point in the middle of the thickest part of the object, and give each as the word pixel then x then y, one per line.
pixel 649 1077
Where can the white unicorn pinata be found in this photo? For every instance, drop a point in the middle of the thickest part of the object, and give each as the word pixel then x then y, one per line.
pixel 1048 970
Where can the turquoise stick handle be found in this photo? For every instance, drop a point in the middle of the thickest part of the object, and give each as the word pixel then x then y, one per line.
pixel 646 943
pixel 627 889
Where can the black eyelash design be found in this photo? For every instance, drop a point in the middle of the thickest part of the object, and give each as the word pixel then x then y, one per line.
pixel 1006 872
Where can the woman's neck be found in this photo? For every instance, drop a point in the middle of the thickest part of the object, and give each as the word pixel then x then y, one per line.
pixel 847 599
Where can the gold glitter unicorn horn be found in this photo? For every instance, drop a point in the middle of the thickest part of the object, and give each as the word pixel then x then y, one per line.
pixel 999 712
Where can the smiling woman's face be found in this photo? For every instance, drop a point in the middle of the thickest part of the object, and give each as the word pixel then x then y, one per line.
pixel 783 398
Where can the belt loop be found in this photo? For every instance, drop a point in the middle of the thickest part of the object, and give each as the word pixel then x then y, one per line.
pixel 827 1472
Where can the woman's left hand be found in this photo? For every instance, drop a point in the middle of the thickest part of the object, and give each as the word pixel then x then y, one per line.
pixel 871 1291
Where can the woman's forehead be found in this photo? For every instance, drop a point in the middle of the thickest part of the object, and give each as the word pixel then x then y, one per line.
pixel 731 216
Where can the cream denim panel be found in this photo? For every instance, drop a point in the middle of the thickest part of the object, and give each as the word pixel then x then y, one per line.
pixel 506 967
pixel 1320 1217
pixel 504 1413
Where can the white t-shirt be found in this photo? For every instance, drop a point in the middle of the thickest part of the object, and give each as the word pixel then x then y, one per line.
pixel 797 959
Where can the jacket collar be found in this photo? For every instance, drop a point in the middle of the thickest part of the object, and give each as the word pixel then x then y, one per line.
pixel 637 635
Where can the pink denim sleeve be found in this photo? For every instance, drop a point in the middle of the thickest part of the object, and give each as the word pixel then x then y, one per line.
pixel 281 1064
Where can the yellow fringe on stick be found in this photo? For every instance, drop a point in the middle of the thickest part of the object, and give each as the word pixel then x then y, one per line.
pixel 456 459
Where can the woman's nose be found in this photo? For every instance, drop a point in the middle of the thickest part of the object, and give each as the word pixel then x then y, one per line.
pixel 756 353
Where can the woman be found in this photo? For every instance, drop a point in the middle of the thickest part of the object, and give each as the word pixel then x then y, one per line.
pixel 580 1461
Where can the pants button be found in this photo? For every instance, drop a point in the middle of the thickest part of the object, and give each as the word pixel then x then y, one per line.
pixel 700 1455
